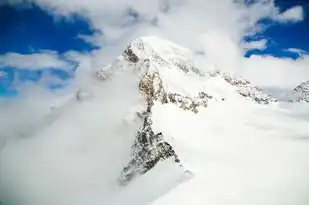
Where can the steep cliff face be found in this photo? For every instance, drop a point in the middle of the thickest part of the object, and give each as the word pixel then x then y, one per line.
pixel 163 70
pixel 149 147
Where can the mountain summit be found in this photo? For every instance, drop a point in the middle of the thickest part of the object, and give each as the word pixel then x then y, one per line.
pixel 158 129
pixel 168 76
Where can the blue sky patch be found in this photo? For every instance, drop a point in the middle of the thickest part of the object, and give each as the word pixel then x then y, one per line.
pixel 30 29
pixel 27 29
pixel 282 36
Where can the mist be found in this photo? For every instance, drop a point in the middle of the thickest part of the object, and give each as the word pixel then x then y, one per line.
pixel 80 153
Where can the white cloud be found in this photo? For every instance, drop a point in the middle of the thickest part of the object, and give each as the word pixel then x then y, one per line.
pixel 215 27
pixel 260 44
pixel 46 59
pixel 269 71
pixel 293 14
pixel 297 50
pixel 217 47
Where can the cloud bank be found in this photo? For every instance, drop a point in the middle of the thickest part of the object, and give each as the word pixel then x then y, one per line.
pixel 46 59
pixel 212 29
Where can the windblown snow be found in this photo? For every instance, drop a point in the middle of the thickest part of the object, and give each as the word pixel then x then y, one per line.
pixel 158 129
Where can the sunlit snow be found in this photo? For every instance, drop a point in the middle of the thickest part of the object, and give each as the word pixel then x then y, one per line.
pixel 235 151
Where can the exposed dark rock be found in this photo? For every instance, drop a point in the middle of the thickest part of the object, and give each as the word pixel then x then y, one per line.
pixel 182 66
pixel 203 95
pixel 187 67
pixel 187 103
pixel 129 55
pixel 148 149
pixel 301 92
pixel 151 86
pixel 245 88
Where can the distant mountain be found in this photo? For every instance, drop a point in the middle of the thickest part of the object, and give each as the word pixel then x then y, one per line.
pixel 301 92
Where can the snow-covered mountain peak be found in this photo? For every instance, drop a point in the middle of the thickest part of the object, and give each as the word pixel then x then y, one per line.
pixel 160 130
pixel 162 54
pixel 159 49
pixel 181 100
pixel 173 66
pixel 167 75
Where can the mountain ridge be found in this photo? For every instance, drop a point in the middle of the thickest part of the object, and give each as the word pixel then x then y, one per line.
pixel 157 129
pixel 150 57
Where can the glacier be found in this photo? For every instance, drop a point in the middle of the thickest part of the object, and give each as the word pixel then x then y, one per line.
pixel 155 128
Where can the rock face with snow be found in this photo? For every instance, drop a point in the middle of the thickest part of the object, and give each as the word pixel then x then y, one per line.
pixel 149 147
pixel 157 129
pixel 245 88
pixel 301 92
pixel 162 68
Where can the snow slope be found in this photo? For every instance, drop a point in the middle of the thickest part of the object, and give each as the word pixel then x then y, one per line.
pixel 241 154
pixel 159 130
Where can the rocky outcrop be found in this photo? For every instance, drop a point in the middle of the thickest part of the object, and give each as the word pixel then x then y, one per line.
pixel 246 89
pixel 301 92
pixel 148 149
pixel 129 55
pixel 151 86
pixel 189 67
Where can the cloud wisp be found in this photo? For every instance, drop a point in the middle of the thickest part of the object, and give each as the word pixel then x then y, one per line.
pixel 35 61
